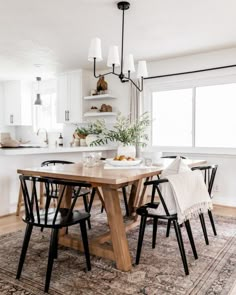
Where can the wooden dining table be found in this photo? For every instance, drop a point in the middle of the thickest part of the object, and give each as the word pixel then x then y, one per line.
pixel 108 182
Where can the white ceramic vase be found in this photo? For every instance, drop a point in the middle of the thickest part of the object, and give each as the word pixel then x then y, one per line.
pixel 90 138
pixel 126 150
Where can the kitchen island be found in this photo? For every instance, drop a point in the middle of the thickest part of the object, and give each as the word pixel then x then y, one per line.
pixel 12 159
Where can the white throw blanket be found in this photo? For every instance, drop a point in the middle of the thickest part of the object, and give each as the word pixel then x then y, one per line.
pixel 190 193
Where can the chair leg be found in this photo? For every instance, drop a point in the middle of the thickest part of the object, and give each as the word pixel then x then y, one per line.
pixel 51 256
pixel 154 232
pixel 140 237
pixel 85 244
pixel 86 208
pixel 19 202
pixel 181 246
pixel 28 232
pixel 125 201
pixel 56 246
pixel 91 198
pixel 212 222
pixel 190 236
pixel 204 228
pixel 153 194
pixel 168 228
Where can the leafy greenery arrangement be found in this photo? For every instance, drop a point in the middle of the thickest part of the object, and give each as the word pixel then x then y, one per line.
pixel 125 132
pixel 96 127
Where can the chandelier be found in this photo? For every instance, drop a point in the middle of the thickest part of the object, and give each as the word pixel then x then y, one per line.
pixel 126 64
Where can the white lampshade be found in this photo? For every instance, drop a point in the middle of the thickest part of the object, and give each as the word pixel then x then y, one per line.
pixel 95 50
pixel 129 64
pixel 113 56
pixel 142 69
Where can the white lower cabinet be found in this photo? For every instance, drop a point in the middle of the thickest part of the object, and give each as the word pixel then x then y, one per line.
pixel 71 87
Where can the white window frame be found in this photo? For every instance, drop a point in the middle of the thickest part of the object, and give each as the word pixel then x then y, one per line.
pixel 182 82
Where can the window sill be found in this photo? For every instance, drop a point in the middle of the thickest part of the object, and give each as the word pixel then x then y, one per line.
pixel 197 150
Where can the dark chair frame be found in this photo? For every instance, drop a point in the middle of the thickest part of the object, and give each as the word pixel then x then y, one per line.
pixel 84 192
pixel 52 218
pixel 143 212
pixel 209 173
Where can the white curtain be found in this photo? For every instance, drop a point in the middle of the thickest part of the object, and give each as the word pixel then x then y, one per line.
pixel 135 106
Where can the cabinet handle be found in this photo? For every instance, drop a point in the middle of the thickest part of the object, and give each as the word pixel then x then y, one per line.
pixel 11 119
pixel 68 115
pixel 67 118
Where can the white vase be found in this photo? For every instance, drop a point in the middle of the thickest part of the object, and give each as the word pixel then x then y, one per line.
pixel 90 138
pixel 126 150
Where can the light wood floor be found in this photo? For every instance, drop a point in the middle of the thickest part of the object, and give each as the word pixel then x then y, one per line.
pixel 13 223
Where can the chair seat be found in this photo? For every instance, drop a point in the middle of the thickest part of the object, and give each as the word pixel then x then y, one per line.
pixel 47 219
pixel 143 211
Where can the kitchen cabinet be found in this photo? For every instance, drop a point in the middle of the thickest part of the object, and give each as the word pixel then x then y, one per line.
pixel 17 103
pixel 71 87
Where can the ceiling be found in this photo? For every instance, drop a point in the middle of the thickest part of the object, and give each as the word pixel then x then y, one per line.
pixel 56 33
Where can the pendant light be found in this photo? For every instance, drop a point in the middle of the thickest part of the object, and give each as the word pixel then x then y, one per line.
pixel 38 100
pixel 126 64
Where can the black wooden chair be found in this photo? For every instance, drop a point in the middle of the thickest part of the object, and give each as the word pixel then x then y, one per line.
pixel 143 212
pixel 52 218
pixel 153 193
pixel 209 173
pixel 85 188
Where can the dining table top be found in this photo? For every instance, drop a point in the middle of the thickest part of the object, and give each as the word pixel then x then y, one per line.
pixel 99 174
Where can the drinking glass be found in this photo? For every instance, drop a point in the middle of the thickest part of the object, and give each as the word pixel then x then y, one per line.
pixel 89 160
pixel 148 162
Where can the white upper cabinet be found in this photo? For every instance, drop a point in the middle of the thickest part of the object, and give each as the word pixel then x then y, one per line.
pixel 71 87
pixel 17 103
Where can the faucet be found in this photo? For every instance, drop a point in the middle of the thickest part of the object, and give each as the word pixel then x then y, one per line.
pixel 46 134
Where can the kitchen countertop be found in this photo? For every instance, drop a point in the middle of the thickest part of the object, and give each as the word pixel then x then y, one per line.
pixel 53 150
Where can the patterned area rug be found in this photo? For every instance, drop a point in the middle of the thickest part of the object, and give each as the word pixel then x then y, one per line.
pixel 160 270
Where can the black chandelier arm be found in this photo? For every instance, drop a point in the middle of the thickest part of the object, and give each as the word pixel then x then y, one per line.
pixel 100 75
pixel 126 79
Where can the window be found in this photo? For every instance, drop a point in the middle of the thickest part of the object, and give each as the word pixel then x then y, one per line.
pixel 201 116
pixel 172 118
pixel 215 116
pixel 45 115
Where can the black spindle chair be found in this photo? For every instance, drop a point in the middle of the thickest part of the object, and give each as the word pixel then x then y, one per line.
pixel 209 173
pixel 54 218
pixel 143 212
pixel 85 188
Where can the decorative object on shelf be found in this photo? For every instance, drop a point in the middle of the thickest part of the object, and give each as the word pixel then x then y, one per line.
pixel 127 134
pixel 126 65
pixel 94 109
pixel 38 100
pixel 93 92
pixel 106 108
pixel 101 85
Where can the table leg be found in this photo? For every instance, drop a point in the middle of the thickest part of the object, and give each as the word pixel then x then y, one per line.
pixel 117 229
